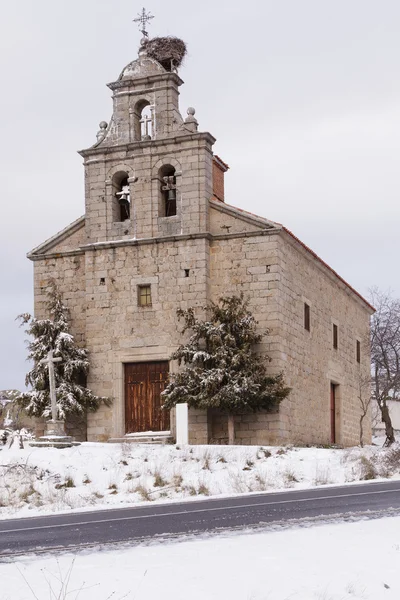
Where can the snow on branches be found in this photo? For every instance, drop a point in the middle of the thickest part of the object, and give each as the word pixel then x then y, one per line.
pixel 220 368
pixel 73 397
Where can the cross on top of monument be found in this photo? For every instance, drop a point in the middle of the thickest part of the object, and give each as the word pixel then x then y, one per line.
pixel 142 19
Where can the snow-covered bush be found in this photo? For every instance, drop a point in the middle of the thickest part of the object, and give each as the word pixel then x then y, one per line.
pixel 221 370
pixel 73 397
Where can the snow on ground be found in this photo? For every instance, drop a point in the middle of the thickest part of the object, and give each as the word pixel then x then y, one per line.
pixel 43 480
pixel 348 561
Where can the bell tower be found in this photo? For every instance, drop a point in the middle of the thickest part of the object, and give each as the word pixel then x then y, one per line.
pixel 149 175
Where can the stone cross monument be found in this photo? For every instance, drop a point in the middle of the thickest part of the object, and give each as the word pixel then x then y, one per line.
pixel 55 435
pixel 50 360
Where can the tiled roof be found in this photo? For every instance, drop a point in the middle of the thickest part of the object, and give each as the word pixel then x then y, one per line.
pixel 221 162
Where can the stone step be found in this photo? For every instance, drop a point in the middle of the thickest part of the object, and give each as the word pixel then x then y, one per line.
pixel 161 438
pixel 54 441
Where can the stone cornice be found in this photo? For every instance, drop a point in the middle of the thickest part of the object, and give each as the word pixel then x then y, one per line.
pixel 140 91
pixel 145 241
pixel 245 234
pixel 146 80
pixel 175 139
pixel 52 255
pixel 98 246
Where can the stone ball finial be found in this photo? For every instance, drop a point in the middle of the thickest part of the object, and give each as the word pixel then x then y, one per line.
pixel 101 134
pixel 191 121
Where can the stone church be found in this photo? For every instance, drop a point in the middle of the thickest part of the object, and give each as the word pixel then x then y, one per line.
pixel 157 235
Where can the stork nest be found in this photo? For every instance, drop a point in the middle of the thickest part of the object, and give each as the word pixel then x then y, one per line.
pixel 168 51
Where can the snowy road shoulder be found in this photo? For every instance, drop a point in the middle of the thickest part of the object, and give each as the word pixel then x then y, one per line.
pixel 38 481
pixel 358 561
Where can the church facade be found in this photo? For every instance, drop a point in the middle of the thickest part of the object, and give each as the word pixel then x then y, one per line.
pixel 157 235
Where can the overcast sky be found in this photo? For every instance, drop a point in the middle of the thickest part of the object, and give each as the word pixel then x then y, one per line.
pixel 303 97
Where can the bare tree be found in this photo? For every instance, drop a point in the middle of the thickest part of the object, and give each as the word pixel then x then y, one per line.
pixel 365 399
pixel 385 355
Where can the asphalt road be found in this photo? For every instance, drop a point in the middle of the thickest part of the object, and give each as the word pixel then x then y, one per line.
pixel 146 522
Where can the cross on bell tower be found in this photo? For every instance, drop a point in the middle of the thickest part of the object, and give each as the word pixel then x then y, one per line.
pixel 143 19
pixel 146 123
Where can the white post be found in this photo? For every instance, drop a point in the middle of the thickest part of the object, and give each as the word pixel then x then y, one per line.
pixel 182 424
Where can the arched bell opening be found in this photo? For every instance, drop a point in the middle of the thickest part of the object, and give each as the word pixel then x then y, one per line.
pixel 144 120
pixel 121 197
pixel 167 178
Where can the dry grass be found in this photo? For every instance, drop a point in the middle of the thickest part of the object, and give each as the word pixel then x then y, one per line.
pixel 159 480
pixel 368 470
pixel 239 483
pixel 322 476
pixel 263 453
pixel 177 480
pixel 203 490
pixel 392 459
pixel 261 483
pixel 290 477
pixel 206 461
pixel 143 492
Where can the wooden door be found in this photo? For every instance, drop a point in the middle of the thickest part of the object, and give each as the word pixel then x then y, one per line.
pixel 333 413
pixel 144 383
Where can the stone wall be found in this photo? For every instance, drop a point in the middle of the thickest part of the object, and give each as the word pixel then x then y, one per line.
pixel 119 331
pixel 251 265
pixel 72 242
pixel 308 358
pixel 223 221
pixel 68 273
pixel 218 181
pixel 278 278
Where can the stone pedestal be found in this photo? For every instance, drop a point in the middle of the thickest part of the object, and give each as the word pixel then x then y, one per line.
pixel 54 437
pixel 55 428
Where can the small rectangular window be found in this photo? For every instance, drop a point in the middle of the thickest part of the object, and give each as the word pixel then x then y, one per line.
pixel 306 317
pixel 144 295
pixel 358 351
pixel 335 336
